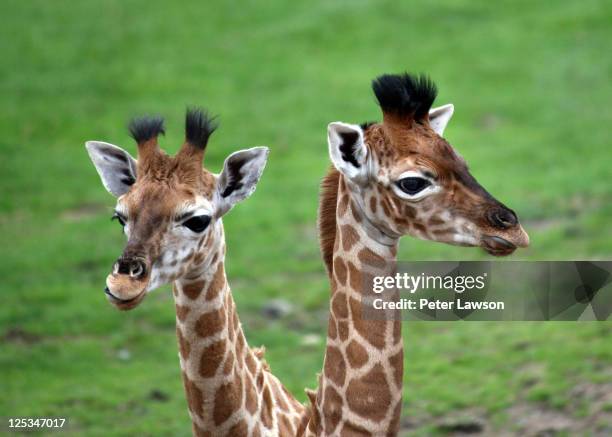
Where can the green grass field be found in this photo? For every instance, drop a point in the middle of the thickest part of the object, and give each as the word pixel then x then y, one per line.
pixel 531 86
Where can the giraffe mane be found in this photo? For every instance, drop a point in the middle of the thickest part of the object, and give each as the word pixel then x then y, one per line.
pixel 326 221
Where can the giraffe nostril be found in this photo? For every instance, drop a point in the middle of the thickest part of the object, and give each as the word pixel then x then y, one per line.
pixel 502 218
pixel 135 268
pixel 122 266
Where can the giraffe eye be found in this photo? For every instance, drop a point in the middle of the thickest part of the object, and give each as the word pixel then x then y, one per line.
pixel 413 185
pixel 197 223
pixel 121 219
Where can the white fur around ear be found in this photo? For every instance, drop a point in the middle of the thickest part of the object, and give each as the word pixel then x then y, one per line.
pixel 440 116
pixel 116 167
pixel 241 172
pixel 347 149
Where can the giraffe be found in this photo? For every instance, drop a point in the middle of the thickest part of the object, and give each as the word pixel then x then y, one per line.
pixel 171 211
pixel 389 179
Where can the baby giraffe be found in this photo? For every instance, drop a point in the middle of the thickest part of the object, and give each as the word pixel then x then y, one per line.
pixel 170 209
pixel 395 178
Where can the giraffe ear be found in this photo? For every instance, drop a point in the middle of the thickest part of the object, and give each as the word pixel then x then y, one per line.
pixel 347 149
pixel 241 172
pixel 440 116
pixel 116 167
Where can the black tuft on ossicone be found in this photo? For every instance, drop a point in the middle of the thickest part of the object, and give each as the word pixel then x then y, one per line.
pixel 405 94
pixel 199 126
pixel 144 128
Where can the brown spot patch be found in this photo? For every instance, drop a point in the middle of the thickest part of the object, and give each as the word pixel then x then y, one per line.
pixel 231 331
pixel 266 408
pixel 251 395
pixel 335 368
pixel 340 270
pixel 369 396
pixel 240 345
pixel 436 221
pixel 210 323
pixel 181 312
pixel 198 258
pixel 356 354
pixel 331 329
pixel 184 346
pixel 343 330
pixel 211 358
pixel 409 211
pixel 397 364
pixel 229 363
pixel 372 330
pixel 260 380
pixel 338 305
pixel 385 208
pixel 395 419
pixel 370 258
pixel 349 236
pixel 194 396
pixel 332 410
pixel 217 283
pixel 235 318
pixel 228 399
pixel 442 232
pixel 355 279
pixel 250 363
pixel 343 205
pixel 193 289
pixel 285 427
pixel 419 227
pixel 373 204
pixel 389 204
pixel 280 398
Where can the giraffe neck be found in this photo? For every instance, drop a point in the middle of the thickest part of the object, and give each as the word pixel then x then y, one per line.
pixel 229 388
pixel 360 389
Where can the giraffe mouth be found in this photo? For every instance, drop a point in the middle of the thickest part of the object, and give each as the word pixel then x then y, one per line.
pixel 124 304
pixel 497 246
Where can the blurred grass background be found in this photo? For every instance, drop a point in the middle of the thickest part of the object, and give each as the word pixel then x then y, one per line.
pixel 531 86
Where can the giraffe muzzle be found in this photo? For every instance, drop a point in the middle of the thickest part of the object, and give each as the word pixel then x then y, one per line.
pixel 126 286
pixel 497 245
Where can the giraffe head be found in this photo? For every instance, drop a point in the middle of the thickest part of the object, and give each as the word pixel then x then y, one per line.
pixel 408 180
pixel 169 207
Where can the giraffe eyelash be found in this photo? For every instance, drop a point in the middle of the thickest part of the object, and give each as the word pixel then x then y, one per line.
pixel 120 218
